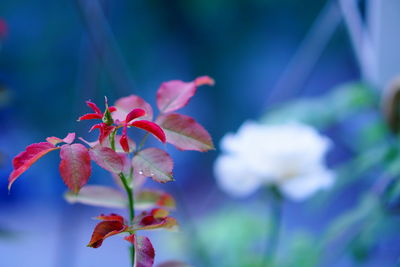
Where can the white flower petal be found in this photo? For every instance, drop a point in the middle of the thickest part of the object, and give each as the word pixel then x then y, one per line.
pixel 299 188
pixel 234 178
pixel 273 154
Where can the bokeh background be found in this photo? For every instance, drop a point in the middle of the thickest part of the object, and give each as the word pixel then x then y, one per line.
pixel 54 55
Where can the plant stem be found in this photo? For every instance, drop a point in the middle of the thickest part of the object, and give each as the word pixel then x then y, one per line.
pixel 129 192
pixel 273 233
pixel 144 139
pixel 131 201
pixel 130 196
pixel 112 139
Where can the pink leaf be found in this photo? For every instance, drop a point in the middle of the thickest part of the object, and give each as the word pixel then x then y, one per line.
pixel 153 198
pixel 204 80
pixel 111 225
pixel 175 94
pixel 99 196
pixel 154 163
pixel 91 144
pixel 144 251
pixel 75 166
pixel 126 104
pixel 151 127
pixel 107 158
pixel 69 138
pixel 55 140
pixel 25 159
pixel 173 264
pixel 185 133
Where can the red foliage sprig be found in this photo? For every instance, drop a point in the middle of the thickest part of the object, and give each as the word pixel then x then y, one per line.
pixel 113 152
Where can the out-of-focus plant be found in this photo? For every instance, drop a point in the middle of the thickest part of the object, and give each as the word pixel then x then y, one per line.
pixel 287 160
pixel 371 165
pixel 374 157
pixel 129 162
pixel 289 157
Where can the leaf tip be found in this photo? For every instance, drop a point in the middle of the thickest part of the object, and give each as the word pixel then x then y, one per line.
pixel 204 80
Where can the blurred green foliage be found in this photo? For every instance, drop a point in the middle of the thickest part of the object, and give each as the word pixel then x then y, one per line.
pixel 339 104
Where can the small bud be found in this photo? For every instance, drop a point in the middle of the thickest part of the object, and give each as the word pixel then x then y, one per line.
pixel 107 118
pixel 391 104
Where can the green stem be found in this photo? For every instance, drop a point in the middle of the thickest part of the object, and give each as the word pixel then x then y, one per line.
pixel 273 233
pixel 130 197
pixel 131 202
pixel 129 192
pixel 112 139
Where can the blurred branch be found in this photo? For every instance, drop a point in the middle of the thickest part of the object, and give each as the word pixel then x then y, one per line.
pixel 105 44
pixel 275 201
pixel 360 37
pixel 307 54
pixel 89 69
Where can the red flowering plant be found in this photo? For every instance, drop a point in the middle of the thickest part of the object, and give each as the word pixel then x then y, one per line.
pixel 129 163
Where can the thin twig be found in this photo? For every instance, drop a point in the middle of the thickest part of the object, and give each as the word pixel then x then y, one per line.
pixel 105 44
pixel 360 38
pixel 303 61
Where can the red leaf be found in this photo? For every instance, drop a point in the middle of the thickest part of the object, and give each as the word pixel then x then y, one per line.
pixel 118 148
pixel 124 139
pixel 111 225
pixel 90 116
pixel 75 166
pixel 185 133
pixel 126 104
pixel 155 219
pixel 175 94
pixel 55 140
pixel 107 158
pixel 105 130
pixel 111 217
pixel 154 163
pixel 25 159
pixel 151 127
pixel 94 107
pixel 112 109
pixel 144 251
pixel 134 114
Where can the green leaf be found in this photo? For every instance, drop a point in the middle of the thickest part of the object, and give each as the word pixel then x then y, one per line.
pixel 326 110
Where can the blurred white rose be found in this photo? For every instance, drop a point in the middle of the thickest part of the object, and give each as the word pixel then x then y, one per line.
pixel 289 156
